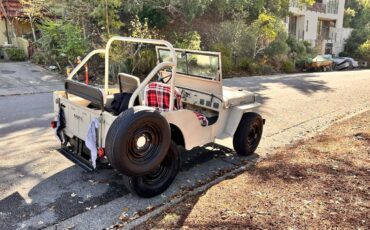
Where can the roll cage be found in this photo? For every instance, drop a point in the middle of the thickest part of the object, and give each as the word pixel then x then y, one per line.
pixel 170 62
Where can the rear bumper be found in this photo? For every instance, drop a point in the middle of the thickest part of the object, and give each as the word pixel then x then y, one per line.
pixel 75 158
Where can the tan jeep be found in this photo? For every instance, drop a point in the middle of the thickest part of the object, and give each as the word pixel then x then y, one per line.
pixel 182 102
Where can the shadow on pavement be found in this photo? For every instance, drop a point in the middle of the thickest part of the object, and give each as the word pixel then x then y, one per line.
pixel 73 191
pixel 305 84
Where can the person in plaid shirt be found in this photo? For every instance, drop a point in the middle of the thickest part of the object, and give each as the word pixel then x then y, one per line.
pixel 157 95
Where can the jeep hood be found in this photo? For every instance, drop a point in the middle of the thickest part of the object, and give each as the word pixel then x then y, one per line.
pixel 236 96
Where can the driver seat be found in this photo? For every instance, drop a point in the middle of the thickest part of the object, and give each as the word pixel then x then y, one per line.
pixel 157 95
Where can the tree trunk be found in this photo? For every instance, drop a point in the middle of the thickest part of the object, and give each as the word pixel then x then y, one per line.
pixel 7 31
pixel 33 29
pixel 107 16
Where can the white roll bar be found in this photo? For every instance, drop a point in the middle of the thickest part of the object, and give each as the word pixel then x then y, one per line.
pixel 83 62
pixel 160 66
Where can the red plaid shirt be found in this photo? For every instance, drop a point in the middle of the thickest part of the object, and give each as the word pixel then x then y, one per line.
pixel 157 95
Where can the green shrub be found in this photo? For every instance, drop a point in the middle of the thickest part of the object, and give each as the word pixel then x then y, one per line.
pixel 244 63
pixel 255 68
pixel 156 17
pixel 288 67
pixel 15 54
pixel 358 37
pixel 190 40
pixel 364 50
pixel 226 57
pixel 300 64
pixel 146 62
pixel 39 58
pixel 62 43
pixel 265 69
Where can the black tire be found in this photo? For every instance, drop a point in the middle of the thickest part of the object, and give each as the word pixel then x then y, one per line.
pixel 158 181
pixel 124 150
pixel 248 135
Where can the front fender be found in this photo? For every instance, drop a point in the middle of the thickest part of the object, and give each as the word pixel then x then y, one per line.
pixel 236 115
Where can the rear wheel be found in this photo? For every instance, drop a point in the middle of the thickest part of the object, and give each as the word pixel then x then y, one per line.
pixel 158 181
pixel 248 135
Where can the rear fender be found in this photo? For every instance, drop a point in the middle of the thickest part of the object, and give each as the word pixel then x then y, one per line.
pixel 189 126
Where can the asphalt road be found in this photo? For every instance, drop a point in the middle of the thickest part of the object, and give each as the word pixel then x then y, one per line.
pixel 39 188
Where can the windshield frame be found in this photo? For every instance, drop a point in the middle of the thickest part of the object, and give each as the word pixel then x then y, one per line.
pixel 217 77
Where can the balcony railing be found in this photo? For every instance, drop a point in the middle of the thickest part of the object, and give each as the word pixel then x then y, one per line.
pixel 317 7
pixel 296 4
pixel 331 7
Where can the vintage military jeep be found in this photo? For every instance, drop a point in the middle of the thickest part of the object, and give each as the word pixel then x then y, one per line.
pixel 182 102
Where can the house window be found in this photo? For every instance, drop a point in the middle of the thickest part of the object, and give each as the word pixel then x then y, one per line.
pixel 293 26
pixel 307 26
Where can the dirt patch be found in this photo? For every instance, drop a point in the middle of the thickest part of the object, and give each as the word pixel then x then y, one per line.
pixel 320 183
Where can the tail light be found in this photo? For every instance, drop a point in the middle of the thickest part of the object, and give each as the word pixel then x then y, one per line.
pixel 101 152
pixel 53 124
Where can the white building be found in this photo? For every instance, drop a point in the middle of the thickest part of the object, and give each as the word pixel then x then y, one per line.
pixel 320 24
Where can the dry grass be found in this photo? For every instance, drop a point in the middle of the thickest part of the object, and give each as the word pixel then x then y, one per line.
pixel 322 183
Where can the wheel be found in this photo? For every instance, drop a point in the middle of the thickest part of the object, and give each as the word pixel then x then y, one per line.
pixel 158 181
pixel 138 141
pixel 248 135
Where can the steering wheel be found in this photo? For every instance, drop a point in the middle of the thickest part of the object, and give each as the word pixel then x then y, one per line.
pixel 165 79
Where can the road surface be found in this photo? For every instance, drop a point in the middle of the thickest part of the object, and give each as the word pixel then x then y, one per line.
pixel 40 188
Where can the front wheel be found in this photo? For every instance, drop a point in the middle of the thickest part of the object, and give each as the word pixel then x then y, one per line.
pixel 158 181
pixel 248 135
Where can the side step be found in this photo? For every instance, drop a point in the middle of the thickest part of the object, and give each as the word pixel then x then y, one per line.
pixel 78 160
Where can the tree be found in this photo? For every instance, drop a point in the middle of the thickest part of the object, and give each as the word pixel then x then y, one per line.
pixel 364 50
pixel 62 42
pixel 266 30
pixel 357 38
pixel 190 40
pixel 357 13
pixel 9 21
pixel 187 9
pixel 33 10
pixel 107 15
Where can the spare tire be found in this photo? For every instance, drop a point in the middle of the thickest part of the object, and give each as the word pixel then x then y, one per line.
pixel 138 141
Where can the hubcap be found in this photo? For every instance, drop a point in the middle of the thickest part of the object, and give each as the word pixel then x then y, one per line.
pixel 253 134
pixel 144 143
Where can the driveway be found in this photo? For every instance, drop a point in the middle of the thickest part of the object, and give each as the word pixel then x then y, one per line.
pixel 39 188
pixel 25 78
